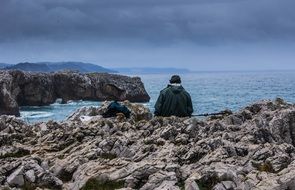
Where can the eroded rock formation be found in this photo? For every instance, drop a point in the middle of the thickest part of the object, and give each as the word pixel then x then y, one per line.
pixel 19 88
pixel 250 149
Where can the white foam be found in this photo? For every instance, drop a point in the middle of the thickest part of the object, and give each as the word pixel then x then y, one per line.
pixel 85 118
pixel 35 114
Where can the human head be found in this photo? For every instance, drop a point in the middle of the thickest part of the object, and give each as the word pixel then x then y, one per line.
pixel 175 79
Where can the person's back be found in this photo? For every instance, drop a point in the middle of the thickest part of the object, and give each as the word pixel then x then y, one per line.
pixel 174 100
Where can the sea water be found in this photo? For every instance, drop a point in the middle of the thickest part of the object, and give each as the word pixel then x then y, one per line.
pixel 56 111
pixel 210 92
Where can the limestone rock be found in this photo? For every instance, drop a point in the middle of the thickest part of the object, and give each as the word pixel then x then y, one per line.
pixel 16 179
pixel 18 88
pixel 30 176
pixel 250 149
pixel 191 185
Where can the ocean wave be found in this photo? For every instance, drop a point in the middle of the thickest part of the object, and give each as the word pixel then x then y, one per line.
pixel 35 114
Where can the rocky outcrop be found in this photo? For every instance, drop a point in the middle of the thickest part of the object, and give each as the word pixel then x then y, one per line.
pixel 19 88
pixel 249 149
pixel 8 102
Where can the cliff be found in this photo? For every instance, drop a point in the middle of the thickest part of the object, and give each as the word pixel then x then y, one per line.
pixel 250 149
pixel 18 88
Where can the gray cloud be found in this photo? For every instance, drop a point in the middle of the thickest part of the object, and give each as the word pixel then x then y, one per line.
pixel 197 34
pixel 152 21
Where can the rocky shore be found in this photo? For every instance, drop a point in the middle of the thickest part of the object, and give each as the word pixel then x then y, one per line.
pixel 250 149
pixel 18 88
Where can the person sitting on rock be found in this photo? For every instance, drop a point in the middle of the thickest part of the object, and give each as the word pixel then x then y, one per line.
pixel 174 100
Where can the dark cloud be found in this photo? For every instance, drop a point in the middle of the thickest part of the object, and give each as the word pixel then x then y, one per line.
pixel 152 21
pixel 196 34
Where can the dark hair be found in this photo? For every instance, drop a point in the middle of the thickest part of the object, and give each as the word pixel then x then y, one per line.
pixel 175 79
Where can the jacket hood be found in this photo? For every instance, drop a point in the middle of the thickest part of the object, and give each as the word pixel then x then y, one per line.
pixel 176 89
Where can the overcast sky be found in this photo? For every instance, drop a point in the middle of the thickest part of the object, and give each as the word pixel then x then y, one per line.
pixel 195 34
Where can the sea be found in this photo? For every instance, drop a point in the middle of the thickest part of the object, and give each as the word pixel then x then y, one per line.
pixel 210 92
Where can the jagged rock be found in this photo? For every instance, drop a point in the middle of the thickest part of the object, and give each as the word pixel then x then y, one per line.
pixel 47 180
pixel 86 114
pixel 18 88
pixel 167 185
pixel 164 180
pixel 190 184
pixel 12 130
pixel 169 133
pixel 219 186
pixel 8 103
pixel 229 185
pixel 16 179
pixel 282 127
pixel 250 149
pixel 85 111
pixel 30 176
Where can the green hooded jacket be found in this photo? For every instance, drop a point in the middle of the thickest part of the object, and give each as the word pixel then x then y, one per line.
pixel 174 100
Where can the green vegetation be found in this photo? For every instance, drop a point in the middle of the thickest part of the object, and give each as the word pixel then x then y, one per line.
pixel 208 183
pixel 17 154
pixel 65 176
pixel 94 184
pixel 28 186
pixel 266 167
pixel 92 74
pixel 109 156
pixel 181 185
pixel 203 186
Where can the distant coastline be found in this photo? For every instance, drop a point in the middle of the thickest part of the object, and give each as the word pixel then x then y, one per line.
pixel 57 66
pixel 89 67
pixel 92 67
pixel 152 70
pixel 3 65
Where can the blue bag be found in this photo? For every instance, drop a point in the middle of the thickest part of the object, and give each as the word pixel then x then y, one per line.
pixel 114 108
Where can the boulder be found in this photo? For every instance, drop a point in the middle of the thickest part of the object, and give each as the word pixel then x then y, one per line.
pixel 16 179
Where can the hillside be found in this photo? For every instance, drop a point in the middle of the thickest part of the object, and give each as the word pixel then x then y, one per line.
pixel 2 65
pixel 59 66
